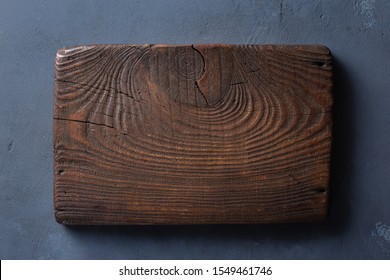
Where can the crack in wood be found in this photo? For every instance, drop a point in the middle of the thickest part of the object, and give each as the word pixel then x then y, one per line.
pixel 83 121
pixel 201 76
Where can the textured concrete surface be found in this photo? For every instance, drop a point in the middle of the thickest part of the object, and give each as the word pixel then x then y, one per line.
pixel 357 32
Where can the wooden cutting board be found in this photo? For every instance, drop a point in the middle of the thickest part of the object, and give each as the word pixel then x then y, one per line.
pixel 192 134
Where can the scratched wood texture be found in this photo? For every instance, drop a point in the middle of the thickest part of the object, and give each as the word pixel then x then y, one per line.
pixel 192 134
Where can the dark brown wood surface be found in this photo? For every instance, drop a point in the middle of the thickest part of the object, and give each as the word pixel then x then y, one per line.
pixel 193 134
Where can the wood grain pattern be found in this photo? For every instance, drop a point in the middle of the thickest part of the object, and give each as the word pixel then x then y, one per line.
pixel 157 134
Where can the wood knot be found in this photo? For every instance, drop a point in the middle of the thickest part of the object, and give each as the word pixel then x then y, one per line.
pixel 187 75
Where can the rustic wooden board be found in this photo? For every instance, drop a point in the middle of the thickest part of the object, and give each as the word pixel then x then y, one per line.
pixel 157 134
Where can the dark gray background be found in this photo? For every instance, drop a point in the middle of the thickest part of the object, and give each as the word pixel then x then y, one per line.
pixel 357 32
